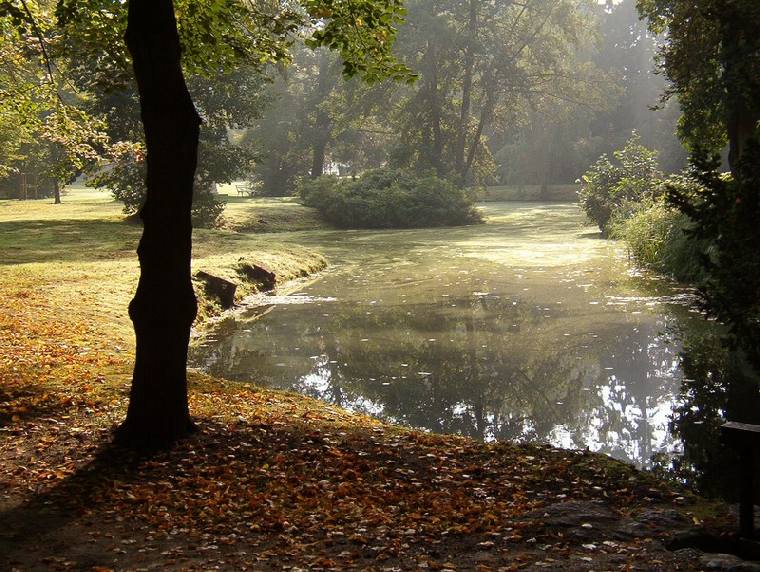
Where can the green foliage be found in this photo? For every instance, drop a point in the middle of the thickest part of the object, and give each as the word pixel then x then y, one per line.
pixel 726 212
pixel 215 35
pixel 44 130
pixel 390 198
pixel 218 35
pixel 363 33
pixel 658 237
pixel 609 188
pixel 712 59
pixel 226 45
pixel 124 176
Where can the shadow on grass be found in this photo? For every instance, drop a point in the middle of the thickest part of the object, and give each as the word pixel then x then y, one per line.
pixel 65 240
pixel 22 527
pixel 55 522
pixel 30 402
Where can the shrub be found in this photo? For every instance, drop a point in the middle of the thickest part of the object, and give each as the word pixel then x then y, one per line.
pixel 609 188
pixel 658 237
pixel 125 178
pixel 390 198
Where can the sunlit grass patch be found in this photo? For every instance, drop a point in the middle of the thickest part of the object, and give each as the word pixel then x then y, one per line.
pixel 267 214
pixel 80 255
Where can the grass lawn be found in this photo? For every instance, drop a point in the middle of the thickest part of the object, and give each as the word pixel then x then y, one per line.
pixel 81 255
pixel 272 480
pixel 267 214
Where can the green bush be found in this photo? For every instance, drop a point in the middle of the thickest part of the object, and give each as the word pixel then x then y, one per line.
pixel 615 189
pixel 657 237
pixel 125 178
pixel 390 198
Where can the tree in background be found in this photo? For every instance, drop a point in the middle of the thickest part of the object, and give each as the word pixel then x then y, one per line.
pixel 47 134
pixel 227 96
pixel 593 84
pixel 315 118
pixel 556 141
pixel 479 62
pixel 224 101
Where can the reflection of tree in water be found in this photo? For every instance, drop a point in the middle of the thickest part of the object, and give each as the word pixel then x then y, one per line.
pixel 637 378
pixel 718 385
pixel 486 366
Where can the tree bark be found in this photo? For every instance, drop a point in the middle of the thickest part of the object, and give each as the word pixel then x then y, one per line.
pixel 436 157
pixel 485 116
pixel 56 192
pixel 164 306
pixel 740 124
pixel 469 64
pixel 318 158
pixel 322 126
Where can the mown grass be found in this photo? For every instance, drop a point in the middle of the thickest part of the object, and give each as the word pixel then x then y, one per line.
pixel 81 254
pixel 267 214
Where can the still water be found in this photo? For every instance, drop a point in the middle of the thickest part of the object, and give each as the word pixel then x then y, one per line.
pixel 528 327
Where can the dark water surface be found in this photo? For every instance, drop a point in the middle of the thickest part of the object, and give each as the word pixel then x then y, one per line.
pixel 527 327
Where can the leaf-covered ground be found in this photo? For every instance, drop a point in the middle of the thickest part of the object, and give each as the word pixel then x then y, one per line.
pixel 279 481
pixel 276 481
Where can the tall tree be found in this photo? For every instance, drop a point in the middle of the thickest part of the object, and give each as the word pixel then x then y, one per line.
pixel 45 131
pixel 712 57
pixel 478 62
pixel 164 305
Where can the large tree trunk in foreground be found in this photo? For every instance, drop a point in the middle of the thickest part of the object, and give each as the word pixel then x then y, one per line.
pixel 164 305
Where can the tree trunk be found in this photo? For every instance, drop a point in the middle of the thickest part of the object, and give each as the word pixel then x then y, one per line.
pixel 322 132
pixel 318 158
pixel 485 117
pixel 464 114
pixel 741 127
pixel 164 305
pixel 436 157
pixel 56 192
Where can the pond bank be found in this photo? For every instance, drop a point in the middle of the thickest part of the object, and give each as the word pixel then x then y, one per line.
pixel 277 481
pixel 273 480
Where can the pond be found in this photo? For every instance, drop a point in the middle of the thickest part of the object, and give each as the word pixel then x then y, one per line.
pixel 529 327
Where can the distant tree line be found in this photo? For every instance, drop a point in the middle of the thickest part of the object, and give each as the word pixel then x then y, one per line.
pixel 506 93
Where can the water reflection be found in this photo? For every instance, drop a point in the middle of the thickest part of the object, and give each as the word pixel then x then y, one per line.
pixel 527 328
pixel 718 385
